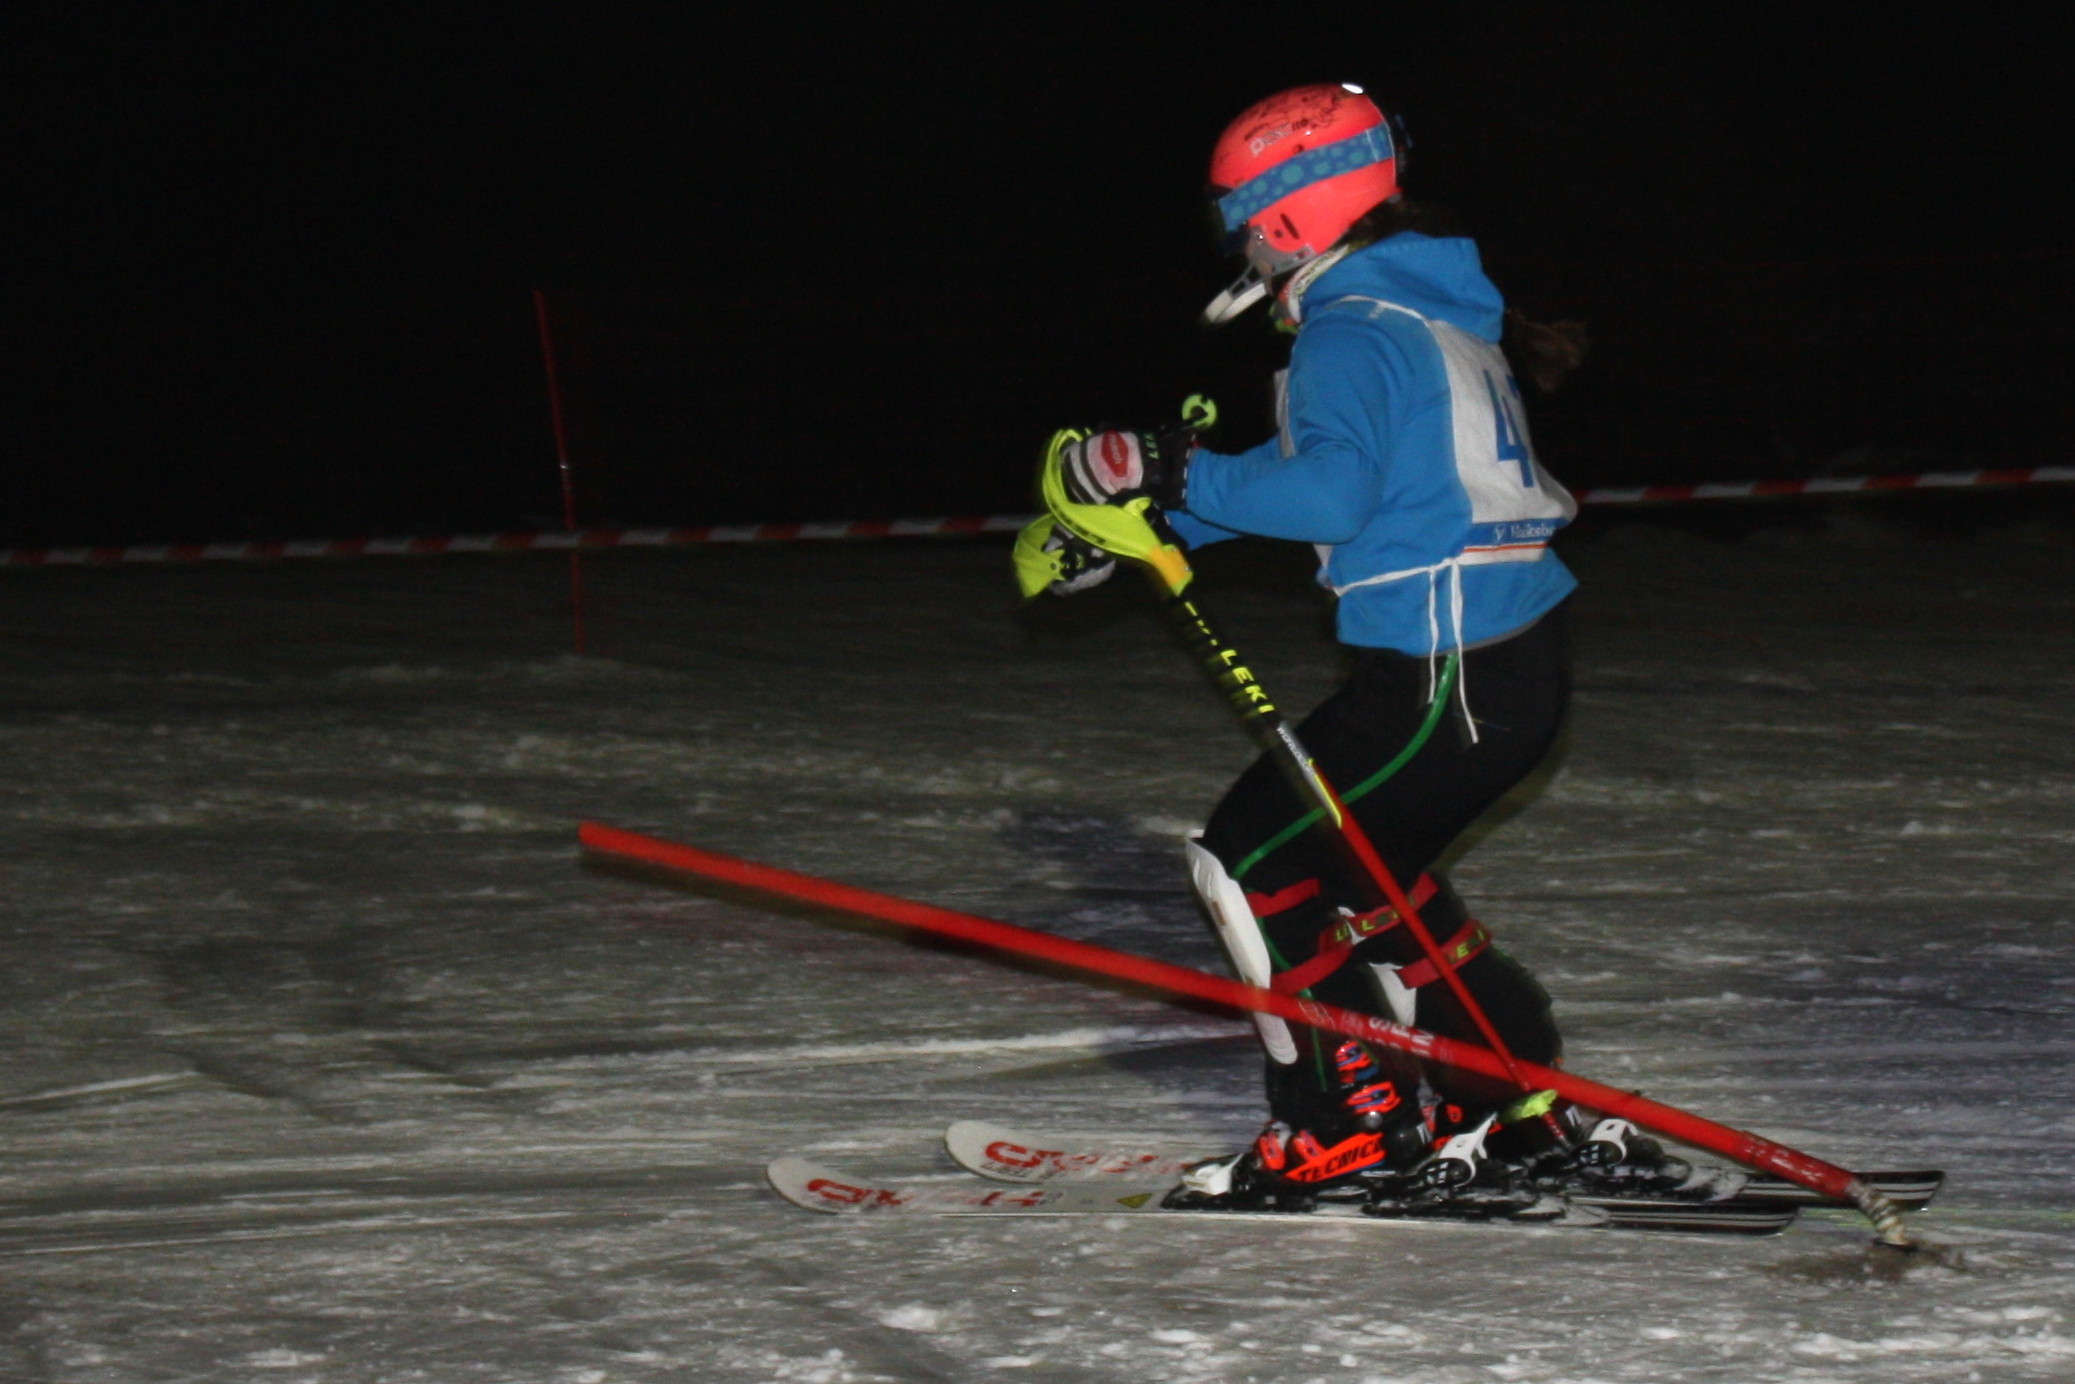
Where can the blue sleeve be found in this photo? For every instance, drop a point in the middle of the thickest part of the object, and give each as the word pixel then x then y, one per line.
pixel 1194 532
pixel 1347 383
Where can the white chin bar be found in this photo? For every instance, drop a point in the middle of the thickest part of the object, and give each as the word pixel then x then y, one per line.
pixel 1264 263
pixel 1248 289
pixel 1252 286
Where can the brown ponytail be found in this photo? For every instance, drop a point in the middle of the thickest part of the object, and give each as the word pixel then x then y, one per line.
pixel 1544 353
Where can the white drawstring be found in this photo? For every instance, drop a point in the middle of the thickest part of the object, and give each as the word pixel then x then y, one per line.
pixel 1454 567
pixel 1452 342
pixel 1462 662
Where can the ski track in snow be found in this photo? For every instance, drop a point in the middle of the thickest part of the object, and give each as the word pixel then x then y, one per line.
pixel 327 1062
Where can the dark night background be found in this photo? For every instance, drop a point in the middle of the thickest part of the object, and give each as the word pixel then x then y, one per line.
pixel 273 265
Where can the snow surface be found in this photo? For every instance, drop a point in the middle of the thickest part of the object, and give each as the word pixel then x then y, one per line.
pixel 326 1061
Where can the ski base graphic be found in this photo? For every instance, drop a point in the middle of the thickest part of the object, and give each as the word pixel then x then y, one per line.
pixel 818 1188
pixel 1005 1155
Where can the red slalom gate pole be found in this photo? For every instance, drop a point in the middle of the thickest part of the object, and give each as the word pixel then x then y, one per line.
pixel 576 560
pixel 1751 1150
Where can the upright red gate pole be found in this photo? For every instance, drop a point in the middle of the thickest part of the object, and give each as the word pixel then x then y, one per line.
pixel 576 552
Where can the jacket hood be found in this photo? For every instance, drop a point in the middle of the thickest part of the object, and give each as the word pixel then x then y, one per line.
pixel 1437 277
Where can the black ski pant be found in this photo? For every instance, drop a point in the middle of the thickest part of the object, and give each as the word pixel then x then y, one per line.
pixel 1518 689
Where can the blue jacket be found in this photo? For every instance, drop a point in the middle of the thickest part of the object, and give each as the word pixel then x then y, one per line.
pixel 1404 456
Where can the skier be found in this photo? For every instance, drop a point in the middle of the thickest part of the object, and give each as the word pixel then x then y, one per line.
pixel 1404 457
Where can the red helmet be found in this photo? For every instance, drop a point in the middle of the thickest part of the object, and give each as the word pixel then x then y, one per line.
pixel 1291 175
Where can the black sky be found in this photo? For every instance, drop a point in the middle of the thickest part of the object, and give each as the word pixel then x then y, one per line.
pixel 274 262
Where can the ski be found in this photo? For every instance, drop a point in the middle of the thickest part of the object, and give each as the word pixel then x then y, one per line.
pixel 817 1188
pixel 1738 1147
pixel 1004 1155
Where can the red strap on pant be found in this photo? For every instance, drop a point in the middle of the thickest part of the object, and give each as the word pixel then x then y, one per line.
pixel 1267 905
pixel 1338 941
pixel 1458 949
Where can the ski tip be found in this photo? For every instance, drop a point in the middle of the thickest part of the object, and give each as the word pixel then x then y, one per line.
pixel 1006 1155
pixel 1001 1154
pixel 813 1187
pixel 968 1141
pixel 1908 1191
pixel 966 1132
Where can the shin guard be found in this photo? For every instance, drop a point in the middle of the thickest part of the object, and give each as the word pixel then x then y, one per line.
pixel 1241 936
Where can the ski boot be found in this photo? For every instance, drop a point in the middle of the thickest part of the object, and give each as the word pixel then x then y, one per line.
pixel 1617 1159
pixel 1358 1138
pixel 1558 1147
pixel 1459 1180
pixel 1374 1152
pixel 1252 1179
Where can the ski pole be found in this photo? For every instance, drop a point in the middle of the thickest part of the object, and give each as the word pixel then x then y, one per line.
pixel 1750 1150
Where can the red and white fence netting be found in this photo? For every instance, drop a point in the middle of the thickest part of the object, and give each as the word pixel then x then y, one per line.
pixel 605 538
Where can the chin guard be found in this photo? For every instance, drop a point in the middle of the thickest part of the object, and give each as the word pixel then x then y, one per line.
pixel 1245 291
